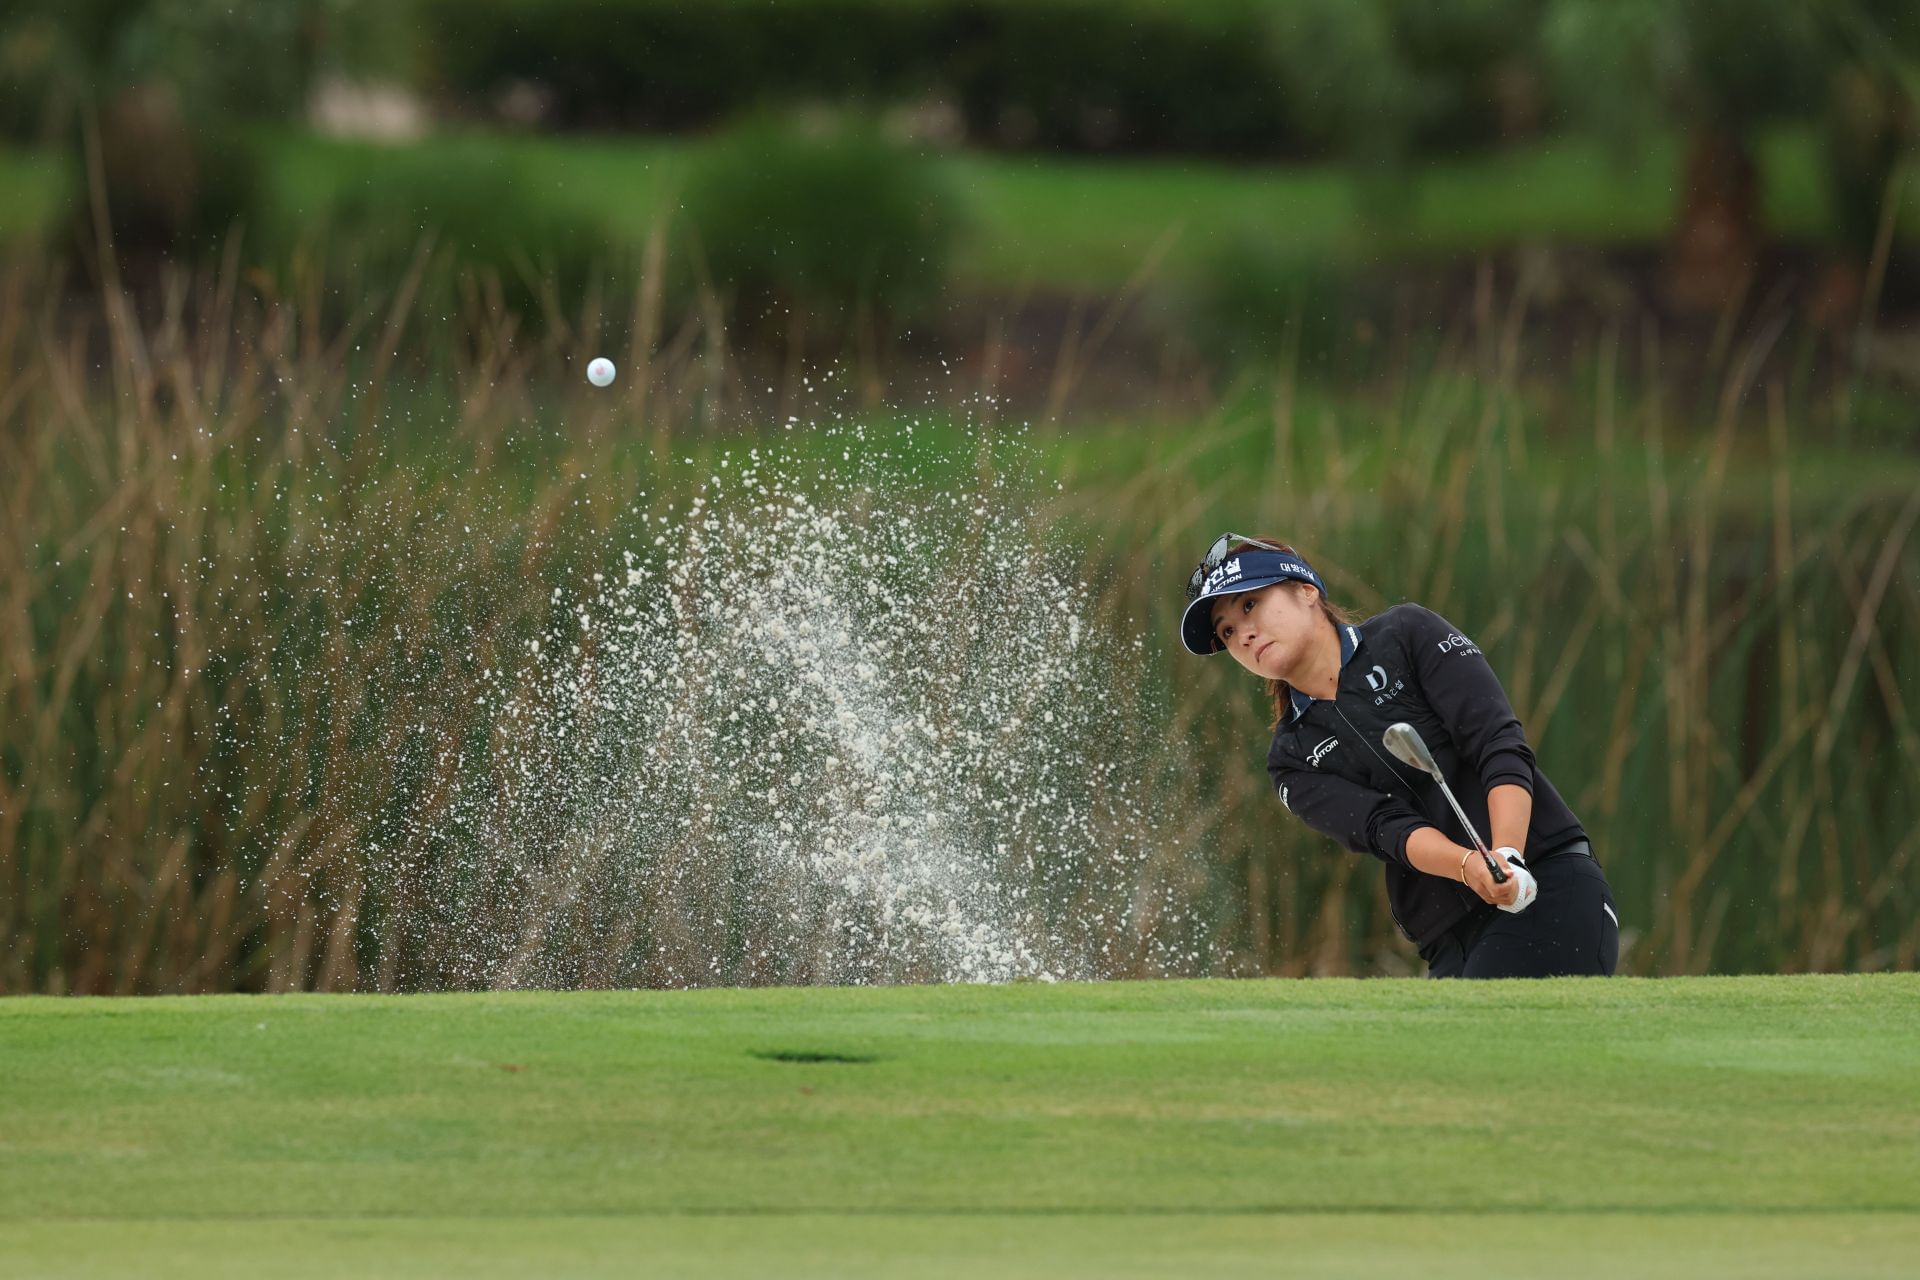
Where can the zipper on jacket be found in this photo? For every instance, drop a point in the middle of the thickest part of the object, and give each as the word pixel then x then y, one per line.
pixel 1392 910
pixel 1412 795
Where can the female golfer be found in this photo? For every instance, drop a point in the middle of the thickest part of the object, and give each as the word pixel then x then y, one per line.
pixel 1336 685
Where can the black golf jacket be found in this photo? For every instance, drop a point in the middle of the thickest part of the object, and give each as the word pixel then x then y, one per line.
pixel 1331 768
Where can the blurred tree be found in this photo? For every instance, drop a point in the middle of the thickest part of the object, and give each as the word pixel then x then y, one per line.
pixel 1872 121
pixel 1378 82
pixel 1351 88
pixel 1721 71
pixel 166 87
pixel 1478 60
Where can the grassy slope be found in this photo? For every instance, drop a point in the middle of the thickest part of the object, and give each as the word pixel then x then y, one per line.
pixel 32 185
pixel 1093 223
pixel 1748 1122
pixel 1072 223
pixel 1066 223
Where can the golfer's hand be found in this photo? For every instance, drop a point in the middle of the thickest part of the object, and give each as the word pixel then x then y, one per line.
pixel 1480 880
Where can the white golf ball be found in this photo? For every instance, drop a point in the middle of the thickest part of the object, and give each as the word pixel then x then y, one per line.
pixel 600 372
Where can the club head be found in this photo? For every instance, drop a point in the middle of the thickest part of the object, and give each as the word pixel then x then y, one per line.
pixel 1409 748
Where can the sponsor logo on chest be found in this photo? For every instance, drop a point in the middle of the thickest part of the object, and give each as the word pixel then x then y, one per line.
pixel 1384 687
pixel 1321 752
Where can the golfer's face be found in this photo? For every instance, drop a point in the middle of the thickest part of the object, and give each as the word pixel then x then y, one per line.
pixel 1266 630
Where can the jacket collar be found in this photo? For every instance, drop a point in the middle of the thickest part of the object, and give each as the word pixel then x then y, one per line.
pixel 1349 642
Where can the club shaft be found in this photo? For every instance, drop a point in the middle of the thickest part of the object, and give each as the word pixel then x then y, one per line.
pixel 1499 876
pixel 1405 742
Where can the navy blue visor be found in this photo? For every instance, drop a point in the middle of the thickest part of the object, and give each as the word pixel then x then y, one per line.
pixel 1247 570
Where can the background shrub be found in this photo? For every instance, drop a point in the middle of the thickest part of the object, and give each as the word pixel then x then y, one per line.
pixel 479 207
pixel 1255 298
pixel 827 217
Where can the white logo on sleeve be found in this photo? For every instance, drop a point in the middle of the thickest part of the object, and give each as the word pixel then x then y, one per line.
pixel 1284 801
pixel 1321 752
pixel 1457 643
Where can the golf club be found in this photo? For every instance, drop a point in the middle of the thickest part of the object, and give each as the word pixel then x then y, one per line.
pixel 1410 748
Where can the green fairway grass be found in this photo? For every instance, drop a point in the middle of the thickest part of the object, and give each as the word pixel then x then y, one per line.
pixel 1754 1126
pixel 1361 1246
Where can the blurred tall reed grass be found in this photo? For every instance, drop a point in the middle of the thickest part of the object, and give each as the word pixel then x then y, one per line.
pixel 229 515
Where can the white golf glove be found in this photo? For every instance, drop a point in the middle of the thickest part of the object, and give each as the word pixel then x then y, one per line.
pixel 1529 887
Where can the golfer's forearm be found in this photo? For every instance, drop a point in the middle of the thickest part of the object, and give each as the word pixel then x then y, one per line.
pixel 1430 851
pixel 1509 811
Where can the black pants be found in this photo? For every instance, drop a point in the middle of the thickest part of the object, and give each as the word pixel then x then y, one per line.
pixel 1572 928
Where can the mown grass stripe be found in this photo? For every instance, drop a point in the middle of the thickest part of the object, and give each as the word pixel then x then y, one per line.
pixel 1713 1096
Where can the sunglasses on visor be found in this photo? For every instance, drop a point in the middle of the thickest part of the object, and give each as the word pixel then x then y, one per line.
pixel 1218 553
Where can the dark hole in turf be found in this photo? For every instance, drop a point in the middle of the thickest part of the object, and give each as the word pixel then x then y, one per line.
pixel 809 1055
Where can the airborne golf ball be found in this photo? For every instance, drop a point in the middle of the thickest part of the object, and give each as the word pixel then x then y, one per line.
pixel 600 372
